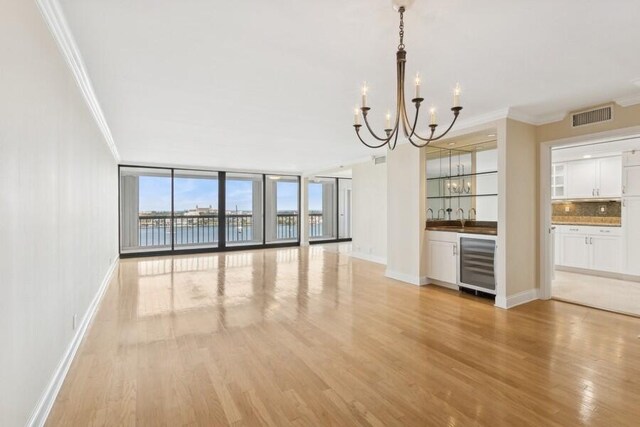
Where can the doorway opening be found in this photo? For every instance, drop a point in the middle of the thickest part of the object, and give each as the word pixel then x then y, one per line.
pixel 592 210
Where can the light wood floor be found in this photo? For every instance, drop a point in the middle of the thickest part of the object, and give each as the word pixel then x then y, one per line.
pixel 313 337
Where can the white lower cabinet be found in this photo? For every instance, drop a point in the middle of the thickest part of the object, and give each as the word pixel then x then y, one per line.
pixel 575 251
pixel 443 256
pixel 605 253
pixel 442 261
pixel 591 248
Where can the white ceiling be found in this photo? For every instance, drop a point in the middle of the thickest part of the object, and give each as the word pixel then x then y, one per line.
pixel 271 85
pixel 595 149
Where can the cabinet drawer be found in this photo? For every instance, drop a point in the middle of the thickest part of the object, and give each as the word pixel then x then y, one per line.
pixel 589 230
pixel 572 229
pixel 442 236
pixel 607 231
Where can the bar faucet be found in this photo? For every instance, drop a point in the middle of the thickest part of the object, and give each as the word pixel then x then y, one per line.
pixel 444 213
pixel 429 210
pixel 460 211
pixel 475 214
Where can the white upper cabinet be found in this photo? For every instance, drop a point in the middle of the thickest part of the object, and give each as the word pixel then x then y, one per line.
pixel 631 158
pixel 581 179
pixel 559 181
pixel 609 177
pixel 593 178
pixel 631 181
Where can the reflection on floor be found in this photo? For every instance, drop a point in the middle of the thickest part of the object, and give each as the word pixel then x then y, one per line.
pixel 340 248
pixel 608 294
pixel 312 336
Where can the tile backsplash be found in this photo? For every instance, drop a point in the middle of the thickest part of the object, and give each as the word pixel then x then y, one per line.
pixel 596 212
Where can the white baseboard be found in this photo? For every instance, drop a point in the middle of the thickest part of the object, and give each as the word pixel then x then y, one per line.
pixel 46 401
pixel 369 257
pixel 407 278
pixel 443 284
pixel 517 299
pixel 598 273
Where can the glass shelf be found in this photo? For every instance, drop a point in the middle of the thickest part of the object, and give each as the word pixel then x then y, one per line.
pixel 462 195
pixel 462 176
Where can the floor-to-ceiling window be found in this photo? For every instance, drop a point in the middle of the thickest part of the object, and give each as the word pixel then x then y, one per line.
pixel 243 193
pixel 176 210
pixel 196 219
pixel 145 209
pixel 282 196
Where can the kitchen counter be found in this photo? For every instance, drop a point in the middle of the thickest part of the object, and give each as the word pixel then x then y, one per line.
pixel 470 227
pixel 588 224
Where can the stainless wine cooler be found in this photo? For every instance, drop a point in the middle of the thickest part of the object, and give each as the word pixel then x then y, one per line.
pixel 476 262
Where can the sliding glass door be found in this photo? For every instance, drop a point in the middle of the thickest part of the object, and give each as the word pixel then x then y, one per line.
pixel 196 219
pixel 281 208
pixel 145 209
pixel 243 200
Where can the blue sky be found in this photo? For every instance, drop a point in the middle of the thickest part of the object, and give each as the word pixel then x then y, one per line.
pixel 155 194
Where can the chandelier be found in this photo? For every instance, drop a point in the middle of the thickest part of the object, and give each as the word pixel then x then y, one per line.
pixel 401 117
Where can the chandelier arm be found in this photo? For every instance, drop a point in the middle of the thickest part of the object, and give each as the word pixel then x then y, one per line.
pixel 456 113
pixel 455 117
pixel 417 144
pixel 357 127
pixel 415 121
pixel 366 122
pixel 395 141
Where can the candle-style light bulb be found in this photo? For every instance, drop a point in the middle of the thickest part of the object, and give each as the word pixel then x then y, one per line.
pixel 356 116
pixel 417 85
pixel 388 117
pixel 365 89
pixel 433 120
pixel 456 95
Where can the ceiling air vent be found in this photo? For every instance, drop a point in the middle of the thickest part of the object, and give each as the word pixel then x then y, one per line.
pixel 380 160
pixel 598 115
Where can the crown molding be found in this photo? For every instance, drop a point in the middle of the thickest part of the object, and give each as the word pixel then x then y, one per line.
pixel 54 17
pixel 536 120
pixel 628 101
pixel 482 119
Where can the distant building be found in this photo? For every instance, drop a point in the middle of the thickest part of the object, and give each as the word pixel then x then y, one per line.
pixel 198 211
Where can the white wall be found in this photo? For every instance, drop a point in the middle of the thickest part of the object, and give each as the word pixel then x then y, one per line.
pixel 369 216
pixel 517 252
pixel 58 209
pixel 406 201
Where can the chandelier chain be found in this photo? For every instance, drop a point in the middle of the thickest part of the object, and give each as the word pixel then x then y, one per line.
pixel 401 45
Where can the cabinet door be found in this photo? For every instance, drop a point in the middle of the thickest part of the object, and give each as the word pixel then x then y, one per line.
pixel 581 179
pixel 631 158
pixel 609 177
pixel 631 181
pixel 631 231
pixel 558 181
pixel 557 248
pixel 575 251
pixel 605 253
pixel 442 261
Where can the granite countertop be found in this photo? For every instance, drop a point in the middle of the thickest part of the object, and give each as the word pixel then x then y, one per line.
pixel 470 227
